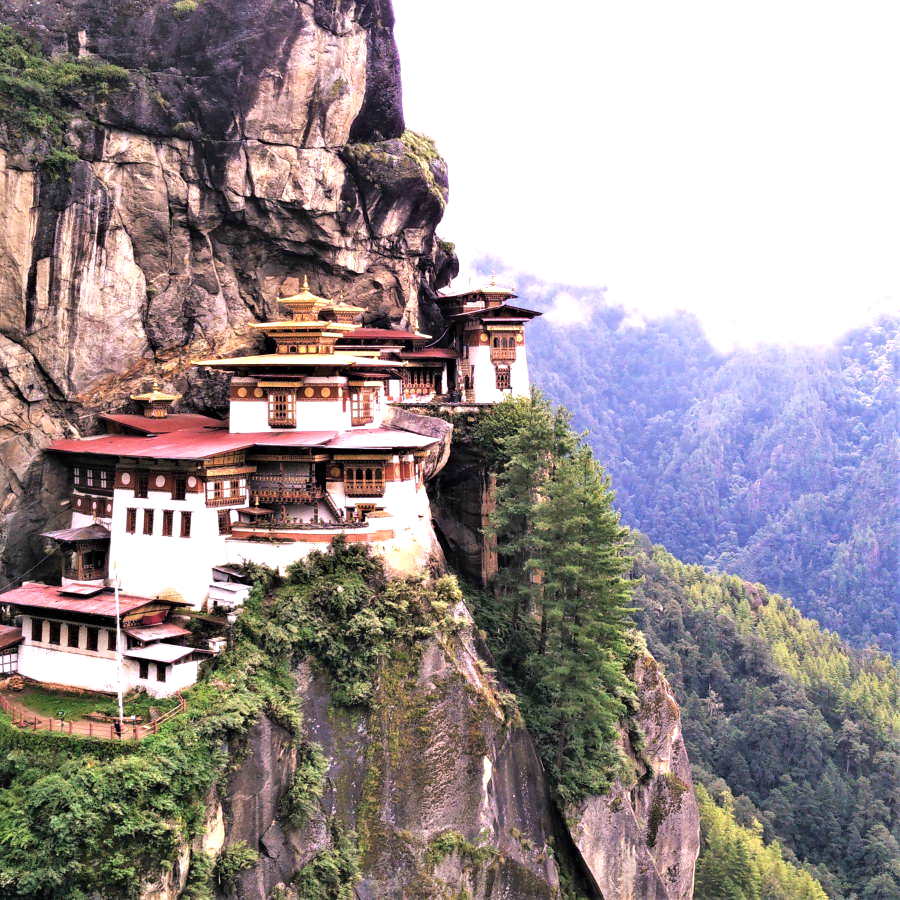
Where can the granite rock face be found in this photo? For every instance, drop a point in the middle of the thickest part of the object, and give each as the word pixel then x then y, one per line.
pixel 255 142
pixel 438 781
pixel 641 840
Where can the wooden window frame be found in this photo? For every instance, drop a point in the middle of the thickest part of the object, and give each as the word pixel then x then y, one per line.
pixel 143 670
pixel 141 485
pixel 92 638
pixel 282 404
pixel 161 674
pixel 73 632
pixel 179 487
pixel 54 635
pixel 504 378
pixel 131 520
pixel 185 524
pixel 149 521
pixel 168 522
pixel 37 628
pixel 224 521
pixel 111 639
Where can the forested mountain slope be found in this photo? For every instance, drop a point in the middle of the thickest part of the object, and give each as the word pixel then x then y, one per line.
pixel 777 464
pixel 784 716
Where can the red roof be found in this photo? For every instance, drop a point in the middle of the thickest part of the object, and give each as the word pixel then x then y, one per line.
pixel 380 439
pixel 9 636
pixel 47 597
pixel 201 444
pixel 177 422
pixel 188 444
pixel 388 334
pixel 433 353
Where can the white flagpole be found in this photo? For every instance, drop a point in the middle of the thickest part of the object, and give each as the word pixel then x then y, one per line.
pixel 119 654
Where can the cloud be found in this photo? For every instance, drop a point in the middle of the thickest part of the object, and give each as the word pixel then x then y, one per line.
pixel 567 309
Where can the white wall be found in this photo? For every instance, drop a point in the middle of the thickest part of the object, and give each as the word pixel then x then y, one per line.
pixel 148 564
pixel 178 677
pixel 485 375
pixel 94 670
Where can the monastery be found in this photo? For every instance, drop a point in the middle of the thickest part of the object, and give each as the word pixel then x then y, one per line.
pixel 317 445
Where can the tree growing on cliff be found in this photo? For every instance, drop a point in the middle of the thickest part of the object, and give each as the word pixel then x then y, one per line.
pixel 561 600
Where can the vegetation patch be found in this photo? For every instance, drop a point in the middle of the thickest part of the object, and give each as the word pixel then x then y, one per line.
pixel 331 874
pixel 423 151
pixel 39 95
pixel 735 861
pixel 452 842
pixel 557 616
pixel 232 861
pixel 301 800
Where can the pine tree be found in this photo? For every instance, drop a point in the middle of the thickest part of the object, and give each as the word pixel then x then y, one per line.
pixel 562 596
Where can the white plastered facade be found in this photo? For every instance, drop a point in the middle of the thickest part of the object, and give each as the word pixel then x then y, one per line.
pixel 93 670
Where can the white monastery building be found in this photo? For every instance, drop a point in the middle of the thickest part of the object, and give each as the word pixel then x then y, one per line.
pixel 310 451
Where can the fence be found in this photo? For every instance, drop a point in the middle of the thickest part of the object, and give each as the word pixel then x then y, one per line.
pixel 28 720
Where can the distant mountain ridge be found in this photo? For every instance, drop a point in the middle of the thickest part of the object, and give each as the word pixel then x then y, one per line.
pixel 776 464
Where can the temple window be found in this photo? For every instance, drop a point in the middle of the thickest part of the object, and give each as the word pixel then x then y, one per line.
pixel 111 639
pixel 168 522
pixel 364 481
pixel 179 490
pixel 142 485
pixel 161 671
pixel 148 521
pixel 224 493
pixel 73 635
pixel 282 409
pixel 503 378
pixel 130 521
pixel 53 637
pixel 37 630
pixel 224 522
pixel 93 638
pixel 361 407
pixel 185 524
pixel 143 669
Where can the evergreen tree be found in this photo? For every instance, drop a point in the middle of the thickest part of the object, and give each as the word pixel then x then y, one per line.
pixel 560 614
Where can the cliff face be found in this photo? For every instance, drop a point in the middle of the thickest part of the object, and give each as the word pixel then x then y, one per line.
pixel 641 840
pixel 255 142
pixel 441 786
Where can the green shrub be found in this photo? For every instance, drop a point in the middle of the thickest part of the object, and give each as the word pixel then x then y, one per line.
pixel 183 8
pixel 232 861
pixel 330 875
pixel 38 95
pixel 302 797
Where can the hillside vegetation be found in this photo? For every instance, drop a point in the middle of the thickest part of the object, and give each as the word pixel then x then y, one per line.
pixel 778 464
pixel 783 715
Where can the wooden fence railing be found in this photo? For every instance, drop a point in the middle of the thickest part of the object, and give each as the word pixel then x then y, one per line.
pixel 28 720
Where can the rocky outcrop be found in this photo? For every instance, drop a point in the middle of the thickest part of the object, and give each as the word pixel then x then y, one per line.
pixel 439 782
pixel 254 142
pixel 641 840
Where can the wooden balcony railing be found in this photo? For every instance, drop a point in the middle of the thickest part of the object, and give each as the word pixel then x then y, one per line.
pixel 355 488
pixel 503 354
pixel 227 500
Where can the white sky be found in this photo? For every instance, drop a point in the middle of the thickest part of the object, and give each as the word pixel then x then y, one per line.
pixel 737 159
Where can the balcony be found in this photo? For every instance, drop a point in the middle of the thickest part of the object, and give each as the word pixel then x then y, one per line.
pixel 238 499
pixel 285 488
pixel 503 354
pixel 354 488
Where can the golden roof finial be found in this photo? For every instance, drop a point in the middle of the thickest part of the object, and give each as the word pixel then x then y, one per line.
pixel 306 283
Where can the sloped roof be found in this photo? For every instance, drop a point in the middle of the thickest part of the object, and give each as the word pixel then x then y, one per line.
pixel 188 444
pixel 166 425
pixel 34 595
pixel 86 533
